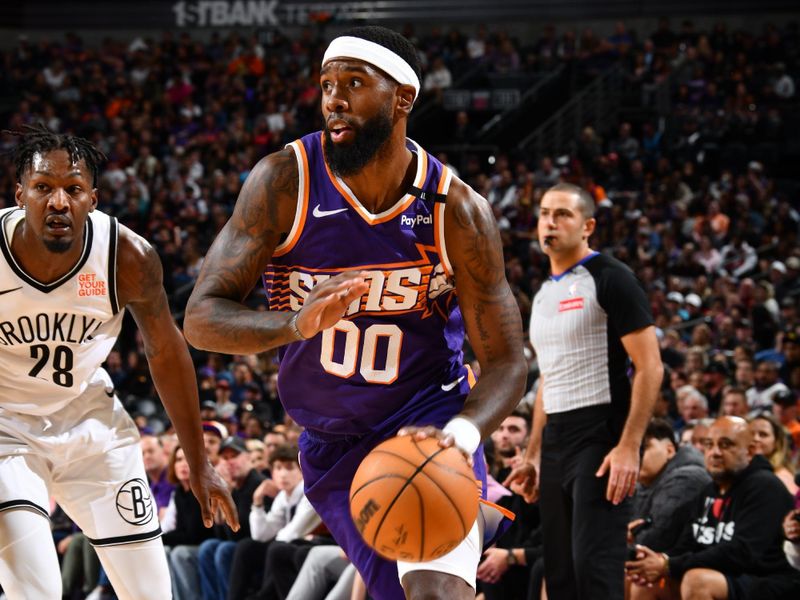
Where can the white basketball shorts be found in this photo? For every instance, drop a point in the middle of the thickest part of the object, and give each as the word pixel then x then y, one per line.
pixel 87 457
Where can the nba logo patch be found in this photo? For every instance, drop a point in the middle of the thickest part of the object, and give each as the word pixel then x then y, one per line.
pixel 570 304
pixel 134 502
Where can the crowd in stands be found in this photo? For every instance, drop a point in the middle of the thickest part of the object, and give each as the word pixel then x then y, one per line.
pixel 700 204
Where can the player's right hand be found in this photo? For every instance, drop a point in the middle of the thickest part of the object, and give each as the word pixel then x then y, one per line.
pixel 327 302
pixel 213 495
pixel 524 480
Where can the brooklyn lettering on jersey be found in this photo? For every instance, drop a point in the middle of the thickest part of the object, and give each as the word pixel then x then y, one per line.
pixel 393 289
pixel 48 327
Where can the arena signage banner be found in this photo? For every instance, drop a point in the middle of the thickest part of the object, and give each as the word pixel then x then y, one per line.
pixel 84 15
pixel 261 13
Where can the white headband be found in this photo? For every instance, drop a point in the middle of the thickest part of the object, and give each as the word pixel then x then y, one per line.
pixel 353 47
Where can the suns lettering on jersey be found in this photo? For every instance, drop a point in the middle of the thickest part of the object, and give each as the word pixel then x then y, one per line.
pixel 374 353
pixel 90 285
pixel 393 289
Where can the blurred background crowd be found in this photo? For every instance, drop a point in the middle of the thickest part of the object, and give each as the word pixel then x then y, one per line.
pixel 694 177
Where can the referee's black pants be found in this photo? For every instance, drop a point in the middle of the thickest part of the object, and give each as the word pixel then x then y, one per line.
pixel 584 535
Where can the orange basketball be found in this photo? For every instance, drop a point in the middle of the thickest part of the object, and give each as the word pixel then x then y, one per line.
pixel 413 500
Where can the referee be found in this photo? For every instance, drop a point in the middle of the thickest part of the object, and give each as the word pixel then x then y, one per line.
pixel 588 318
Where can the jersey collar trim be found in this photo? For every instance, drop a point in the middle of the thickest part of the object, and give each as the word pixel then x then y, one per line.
pixel 585 259
pixel 400 206
pixel 5 246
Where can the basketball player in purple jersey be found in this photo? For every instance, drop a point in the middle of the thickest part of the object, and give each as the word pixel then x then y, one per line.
pixel 375 258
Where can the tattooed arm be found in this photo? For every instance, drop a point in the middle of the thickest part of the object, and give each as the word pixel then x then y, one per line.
pixel 216 318
pixel 141 289
pixel 491 314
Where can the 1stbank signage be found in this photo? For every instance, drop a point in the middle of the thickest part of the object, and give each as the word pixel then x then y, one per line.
pixel 218 13
pixel 249 13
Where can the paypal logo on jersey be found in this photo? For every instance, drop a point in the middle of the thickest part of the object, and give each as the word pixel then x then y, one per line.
pixel 414 220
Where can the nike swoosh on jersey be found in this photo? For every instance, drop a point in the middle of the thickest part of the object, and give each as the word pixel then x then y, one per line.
pixel 449 386
pixel 326 213
pixel 11 290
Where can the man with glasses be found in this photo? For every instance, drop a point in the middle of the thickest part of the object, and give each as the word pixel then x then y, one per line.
pixel 732 546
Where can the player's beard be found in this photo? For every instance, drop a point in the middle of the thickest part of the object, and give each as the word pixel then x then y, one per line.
pixel 349 159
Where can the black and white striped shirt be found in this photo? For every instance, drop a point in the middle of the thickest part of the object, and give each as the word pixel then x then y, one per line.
pixel 577 322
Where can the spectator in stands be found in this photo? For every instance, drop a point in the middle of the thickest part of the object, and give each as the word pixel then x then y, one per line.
pixel 790 346
pixel 183 528
pixel 213 434
pixel 767 384
pixel 692 404
pixel 744 378
pixel 714 382
pixel 626 146
pixel 437 79
pixel 738 258
pixel 215 555
pixel 80 566
pixel 695 433
pixel 505 569
pixel 258 455
pixel 670 479
pixel 785 409
pixel 509 439
pixel 286 518
pixel 771 441
pixel 732 546
pixel 734 403
pixel 155 465
pixel 547 175
pixel 326 574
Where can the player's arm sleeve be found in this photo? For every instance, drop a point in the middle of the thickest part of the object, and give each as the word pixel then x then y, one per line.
pixel 305 520
pixel 622 296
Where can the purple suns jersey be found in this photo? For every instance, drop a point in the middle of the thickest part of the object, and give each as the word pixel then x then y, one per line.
pixel 402 336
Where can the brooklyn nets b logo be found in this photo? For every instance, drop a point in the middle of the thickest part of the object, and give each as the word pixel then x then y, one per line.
pixel 134 503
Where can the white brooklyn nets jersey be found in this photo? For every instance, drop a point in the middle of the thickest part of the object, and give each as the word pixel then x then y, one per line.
pixel 54 336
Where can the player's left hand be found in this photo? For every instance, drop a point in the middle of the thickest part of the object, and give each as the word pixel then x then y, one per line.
pixel 446 440
pixel 622 466
pixel 213 496
pixel 494 565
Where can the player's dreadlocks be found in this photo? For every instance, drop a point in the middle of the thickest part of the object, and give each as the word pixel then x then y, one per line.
pixel 39 139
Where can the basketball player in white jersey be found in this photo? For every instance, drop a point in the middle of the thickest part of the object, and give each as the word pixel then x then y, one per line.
pixel 67 272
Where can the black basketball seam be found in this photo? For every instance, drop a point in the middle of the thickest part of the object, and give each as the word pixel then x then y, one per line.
pixel 472 480
pixel 373 480
pixel 399 493
pixel 444 493
pixel 445 467
pixel 421 522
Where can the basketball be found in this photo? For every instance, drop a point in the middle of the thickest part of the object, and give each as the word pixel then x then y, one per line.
pixel 413 500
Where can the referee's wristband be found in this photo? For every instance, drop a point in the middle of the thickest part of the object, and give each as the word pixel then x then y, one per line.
pixel 294 329
pixel 465 434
